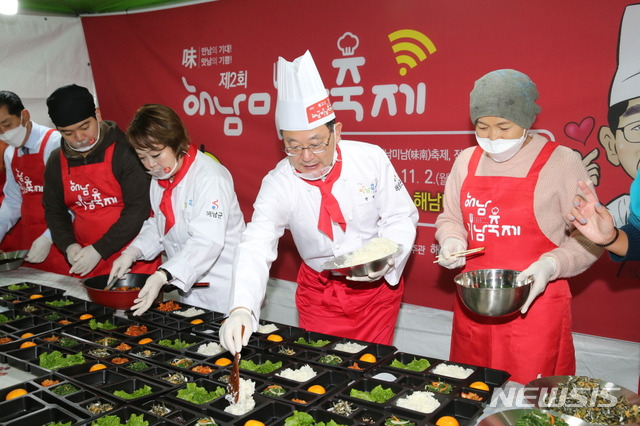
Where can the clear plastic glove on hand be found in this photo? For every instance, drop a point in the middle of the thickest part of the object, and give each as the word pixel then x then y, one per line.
pixel 449 246
pixel 39 250
pixel 84 262
pixel 231 337
pixel 149 292
pixel 375 276
pixel 541 270
pixel 122 264
pixel 72 252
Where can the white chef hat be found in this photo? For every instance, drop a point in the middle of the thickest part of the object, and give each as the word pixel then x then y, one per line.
pixel 303 103
pixel 626 82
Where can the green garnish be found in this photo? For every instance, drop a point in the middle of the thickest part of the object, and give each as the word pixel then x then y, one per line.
pixel 134 420
pixel 330 359
pixel 377 394
pixel 415 365
pixel 14 287
pixel 538 418
pixel 395 421
pixel 304 419
pixel 315 343
pixel 67 342
pixel 199 395
pixel 439 386
pixel 206 421
pixel 101 325
pixel 274 390
pixel 138 366
pixel 58 424
pixel 4 318
pixel 176 344
pixel 64 389
pixel 143 391
pixel 52 317
pixel 59 303
pixel 55 360
pixel 264 368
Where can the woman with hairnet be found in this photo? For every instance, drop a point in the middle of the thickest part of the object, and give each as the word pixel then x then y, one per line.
pixel 509 195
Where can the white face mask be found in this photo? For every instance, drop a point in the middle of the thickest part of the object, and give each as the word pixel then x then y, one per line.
pixel 86 144
pixel 15 137
pixel 501 150
pixel 163 173
pixel 319 174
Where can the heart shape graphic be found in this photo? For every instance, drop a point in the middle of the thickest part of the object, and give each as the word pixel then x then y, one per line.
pixel 580 132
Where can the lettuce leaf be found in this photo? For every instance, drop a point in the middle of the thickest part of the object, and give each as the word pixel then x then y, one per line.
pixel 415 365
pixel 377 394
pixel 55 360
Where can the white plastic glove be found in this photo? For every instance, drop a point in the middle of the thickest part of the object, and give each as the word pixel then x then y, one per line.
pixel 72 252
pixel 231 337
pixel 375 276
pixel 448 246
pixel 84 262
pixel 122 264
pixel 541 270
pixel 39 250
pixel 148 293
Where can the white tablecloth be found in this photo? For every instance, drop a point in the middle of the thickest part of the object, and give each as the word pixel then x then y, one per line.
pixel 10 375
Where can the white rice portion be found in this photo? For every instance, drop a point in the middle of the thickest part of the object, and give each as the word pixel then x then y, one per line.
pixel 191 312
pixel 455 371
pixel 211 348
pixel 421 401
pixel 350 347
pixel 245 402
pixel 374 249
pixel 267 328
pixel 302 374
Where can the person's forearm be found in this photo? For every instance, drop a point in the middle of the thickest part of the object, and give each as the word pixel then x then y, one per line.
pixel 621 244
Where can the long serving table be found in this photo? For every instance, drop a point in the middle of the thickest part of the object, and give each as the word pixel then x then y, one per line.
pixel 355 367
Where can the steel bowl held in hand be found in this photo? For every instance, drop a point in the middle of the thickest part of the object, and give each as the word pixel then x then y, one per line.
pixel 340 265
pixel 12 260
pixel 492 292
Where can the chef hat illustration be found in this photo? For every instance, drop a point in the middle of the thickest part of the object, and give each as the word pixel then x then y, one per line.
pixel 303 103
pixel 626 82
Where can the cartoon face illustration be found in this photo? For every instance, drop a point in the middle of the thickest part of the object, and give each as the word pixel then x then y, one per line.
pixel 622 143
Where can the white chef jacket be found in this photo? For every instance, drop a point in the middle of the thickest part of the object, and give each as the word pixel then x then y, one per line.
pixel 374 203
pixel 208 227
pixel 10 209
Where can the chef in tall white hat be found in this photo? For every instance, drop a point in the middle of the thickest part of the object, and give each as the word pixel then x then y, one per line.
pixel 334 196
pixel 620 138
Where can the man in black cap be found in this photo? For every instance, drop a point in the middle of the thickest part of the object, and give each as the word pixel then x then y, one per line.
pixel 96 190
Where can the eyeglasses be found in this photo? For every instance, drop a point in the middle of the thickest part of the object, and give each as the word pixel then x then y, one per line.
pixel 314 148
pixel 631 132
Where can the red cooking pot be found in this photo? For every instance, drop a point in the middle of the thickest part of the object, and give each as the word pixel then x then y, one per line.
pixel 121 295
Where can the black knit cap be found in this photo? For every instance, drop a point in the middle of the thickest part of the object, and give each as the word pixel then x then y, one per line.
pixel 70 104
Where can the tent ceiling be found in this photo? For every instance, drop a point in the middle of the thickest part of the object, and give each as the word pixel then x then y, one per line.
pixel 87 7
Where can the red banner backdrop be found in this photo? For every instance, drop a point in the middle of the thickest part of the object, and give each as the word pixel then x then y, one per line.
pixel 400 74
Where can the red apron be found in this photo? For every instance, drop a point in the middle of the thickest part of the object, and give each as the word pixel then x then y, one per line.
pixel 94 195
pixel 28 172
pixel 499 214
pixel 354 310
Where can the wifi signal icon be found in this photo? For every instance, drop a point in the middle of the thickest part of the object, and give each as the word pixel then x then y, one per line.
pixel 410 52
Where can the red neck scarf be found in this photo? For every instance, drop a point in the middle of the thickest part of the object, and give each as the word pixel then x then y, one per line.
pixel 329 207
pixel 165 203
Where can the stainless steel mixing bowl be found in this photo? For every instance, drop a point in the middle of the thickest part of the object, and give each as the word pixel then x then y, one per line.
pixel 492 292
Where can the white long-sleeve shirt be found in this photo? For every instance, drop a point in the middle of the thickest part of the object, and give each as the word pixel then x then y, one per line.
pixel 208 226
pixel 12 203
pixel 374 203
